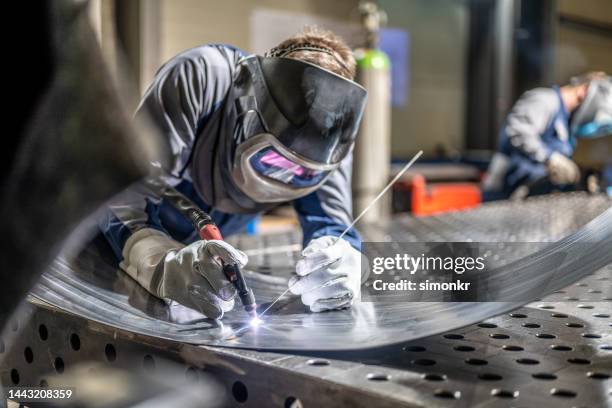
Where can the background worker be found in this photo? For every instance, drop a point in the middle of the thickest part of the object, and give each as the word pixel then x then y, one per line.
pixel 246 134
pixel 539 136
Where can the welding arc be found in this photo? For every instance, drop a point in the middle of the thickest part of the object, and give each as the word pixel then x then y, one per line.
pixel 384 190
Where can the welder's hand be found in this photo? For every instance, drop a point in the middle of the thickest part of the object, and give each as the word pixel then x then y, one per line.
pixel 562 170
pixel 191 275
pixel 329 275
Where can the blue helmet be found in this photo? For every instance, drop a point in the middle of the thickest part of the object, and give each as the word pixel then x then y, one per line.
pixel 594 116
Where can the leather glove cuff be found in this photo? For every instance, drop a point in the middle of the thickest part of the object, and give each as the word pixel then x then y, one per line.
pixel 143 257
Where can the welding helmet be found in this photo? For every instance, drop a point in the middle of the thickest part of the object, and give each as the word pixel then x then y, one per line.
pixel 295 122
pixel 593 118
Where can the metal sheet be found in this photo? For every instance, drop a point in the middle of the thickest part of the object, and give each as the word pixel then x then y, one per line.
pixel 562 342
pixel 91 285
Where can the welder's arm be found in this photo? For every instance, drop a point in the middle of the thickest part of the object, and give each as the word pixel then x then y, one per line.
pixel 134 209
pixel 191 275
pixel 528 120
pixel 329 210
pixel 329 273
pixel 183 93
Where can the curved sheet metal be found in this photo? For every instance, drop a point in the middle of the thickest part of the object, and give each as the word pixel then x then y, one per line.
pixel 91 285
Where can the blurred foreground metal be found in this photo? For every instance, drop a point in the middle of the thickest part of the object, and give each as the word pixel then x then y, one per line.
pixel 76 146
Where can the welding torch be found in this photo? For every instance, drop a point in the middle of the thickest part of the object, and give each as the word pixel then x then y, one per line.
pixel 207 230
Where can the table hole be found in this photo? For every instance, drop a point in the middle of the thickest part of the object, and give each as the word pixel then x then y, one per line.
pixel 563 393
pixel 580 361
pixel 43 333
pixel 434 377
pixel 518 315
pixel 416 349
pixel 110 352
pixel 499 336
pixel 58 364
pixel 487 325
pixel 560 347
pixel 527 361
pixel 15 376
pixel 574 325
pixel 545 336
pixel 544 376
pixel 28 354
pixel 447 394
pixel 506 394
pixel 75 342
pixel 490 377
pixel 240 391
pixel 293 402
pixel 453 336
pixel 464 348
pixel 318 362
pixel 378 377
pixel 591 335
pixel 532 325
pixel 510 347
pixel 476 361
pixel 424 362
pixel 598 375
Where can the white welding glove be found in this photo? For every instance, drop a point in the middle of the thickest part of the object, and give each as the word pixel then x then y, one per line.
pixel 329 275
pixel 562 170
pixel 191 275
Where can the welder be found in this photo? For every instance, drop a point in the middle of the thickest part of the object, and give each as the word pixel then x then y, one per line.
pixel 247 133
pixel 539 136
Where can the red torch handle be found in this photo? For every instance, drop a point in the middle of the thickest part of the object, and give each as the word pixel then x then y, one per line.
pixel 210 231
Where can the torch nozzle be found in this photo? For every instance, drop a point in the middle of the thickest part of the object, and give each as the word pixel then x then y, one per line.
pixel 245 294
pixel 251 310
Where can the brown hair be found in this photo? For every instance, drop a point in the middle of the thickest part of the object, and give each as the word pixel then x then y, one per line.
pixel 587 77
pixel 319 47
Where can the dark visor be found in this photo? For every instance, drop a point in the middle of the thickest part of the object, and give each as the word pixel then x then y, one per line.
pixel 311 111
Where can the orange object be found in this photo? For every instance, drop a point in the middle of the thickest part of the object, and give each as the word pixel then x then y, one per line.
pixel 443 197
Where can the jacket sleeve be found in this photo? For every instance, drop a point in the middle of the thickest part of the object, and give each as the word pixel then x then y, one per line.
pixel 328 210
pixel 528 120
pixel 134 209
pixel 184 92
